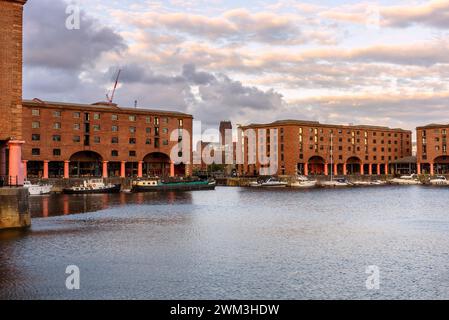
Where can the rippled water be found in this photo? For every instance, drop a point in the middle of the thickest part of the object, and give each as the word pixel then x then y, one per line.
pixel 233 243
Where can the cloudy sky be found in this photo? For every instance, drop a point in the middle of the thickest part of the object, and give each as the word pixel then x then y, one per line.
pixel 384 62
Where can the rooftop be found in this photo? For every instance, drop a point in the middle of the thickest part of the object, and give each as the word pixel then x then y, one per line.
pixel 100 106
pixel 435 125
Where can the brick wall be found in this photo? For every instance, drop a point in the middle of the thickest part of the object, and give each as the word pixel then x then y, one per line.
pixel 11 15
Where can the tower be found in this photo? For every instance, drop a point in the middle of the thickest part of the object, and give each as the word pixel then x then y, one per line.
pixel 11 37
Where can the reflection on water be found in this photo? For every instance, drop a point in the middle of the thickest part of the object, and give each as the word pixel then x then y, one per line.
pixel 233 243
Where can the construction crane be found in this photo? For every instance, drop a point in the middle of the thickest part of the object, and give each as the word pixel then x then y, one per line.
pixel 111 99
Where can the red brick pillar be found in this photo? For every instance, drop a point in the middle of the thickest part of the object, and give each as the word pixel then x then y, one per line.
pixel 66 169
pixel 378 168
pixel 386 168
pixel 418 168
pixel 123 169
pixel 306 169
pixel 345 169
pixel 105 169
pixel 335 169
pixel 172 169
pixel 45 169
pixel 362 169
pixel 370 169
pixel 432 172
pixel 24 168
pixel 326 169
pixel 15 162
pixel 140 169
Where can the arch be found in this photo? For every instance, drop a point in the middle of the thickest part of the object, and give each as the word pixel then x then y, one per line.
pixel 156 164
pixel 441 165
pixel 316 165
pixel 353 165
pixel 86 164
pixel 353 160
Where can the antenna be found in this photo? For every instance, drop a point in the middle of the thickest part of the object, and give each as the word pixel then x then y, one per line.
pixel 111 99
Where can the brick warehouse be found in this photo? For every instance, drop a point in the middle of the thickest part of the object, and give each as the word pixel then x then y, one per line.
pixel 432 149
pixel 304 147
pixel 75 140
pixel 11 18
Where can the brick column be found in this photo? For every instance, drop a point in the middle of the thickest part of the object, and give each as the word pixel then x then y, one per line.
pixel 345 169
pixel 306 169
pixel 66 169
pixel 362 169
pixel 378 168
pixel 140 169
pixel 418 168
pixel 370 169
pixel 123 169
pixel 105 169
pixel 432 172
pixel 15 162
pixel 24 168
pixel 386 168
pixel 45 169
pixel 326 169
pixel 335 169
pixel 172 169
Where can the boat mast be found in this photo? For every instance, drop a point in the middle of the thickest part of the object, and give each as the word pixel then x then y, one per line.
pixel 332 156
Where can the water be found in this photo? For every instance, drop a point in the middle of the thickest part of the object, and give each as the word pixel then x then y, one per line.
pixel 233 243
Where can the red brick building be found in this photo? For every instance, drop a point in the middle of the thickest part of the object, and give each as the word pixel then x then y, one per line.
pixel 305 147
pixel 432 153
pixel 103 139
pixel 11 16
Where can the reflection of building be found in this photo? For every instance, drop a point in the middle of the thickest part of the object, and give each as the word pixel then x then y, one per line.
pixel 432 151
pixel 305 147
pixel 75 140
pixel 11 12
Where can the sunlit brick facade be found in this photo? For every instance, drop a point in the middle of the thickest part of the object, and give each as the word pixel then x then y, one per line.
pixel 432 153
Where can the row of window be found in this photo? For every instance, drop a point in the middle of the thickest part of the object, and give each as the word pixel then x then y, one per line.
pixel 96 139
pixel 436 131
pixel 340 131
pixel 57 152
pixel 114 117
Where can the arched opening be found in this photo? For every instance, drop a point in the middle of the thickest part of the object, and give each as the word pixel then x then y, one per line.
pixel 156 164
pixel 441 165
pixel 86 164
pixel 316 165
pixel 353 165
pixel 35 169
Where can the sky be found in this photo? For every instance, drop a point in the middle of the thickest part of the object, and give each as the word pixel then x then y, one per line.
pixel 253 61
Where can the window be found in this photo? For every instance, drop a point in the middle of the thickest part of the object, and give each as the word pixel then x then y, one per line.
pixel 35 151
pixel 165 120
pixel 148 119
pixel 57 138
pixel 97 139
pixel 181 123
pixel 114 153
pixel 76 139
pixel 35 125
pixel 57 114
pixel 86 117
pixel 132 118
pixel 56 152
pixel 156 121
pixel 35 112
pixel 76 126
pixel 156 131
pixel 165 130
pixel 114 140
pixel 77 115
pixel 148 141
pixel 57 125
pixel 96 127
pixel 165 142
pixel 132 129
pixel 132 153
pixel 97 116
pixel 36 137
pixel 132 140
pixel 114 117
pixel 148 130
pixel 114 128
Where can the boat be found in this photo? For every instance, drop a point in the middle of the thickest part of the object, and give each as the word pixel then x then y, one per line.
pixel 270 183
pixel 37 189
pixel 303 182
pixel 93 186
pixel 340 182
pixel 406 180
pixel 154 185
pixel 439 181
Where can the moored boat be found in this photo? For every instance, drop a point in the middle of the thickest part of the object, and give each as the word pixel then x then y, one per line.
pixel 439 181
pixel 154 185
pixel 340 182
pixel 270 183
pixel 37 189
pixel 406 180
pixel 303 182
pixel 93 186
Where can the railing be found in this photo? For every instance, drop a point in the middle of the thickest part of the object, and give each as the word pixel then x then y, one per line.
pixel 9 181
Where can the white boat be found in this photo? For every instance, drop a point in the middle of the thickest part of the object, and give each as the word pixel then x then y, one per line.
pixel 93 186
pixel 341 182
pixel 303 182
pixel 439 180
pixel 406 180
pixel 37 189
pixel 362 183
pixel 271 183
